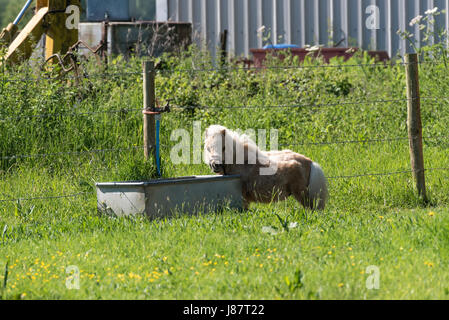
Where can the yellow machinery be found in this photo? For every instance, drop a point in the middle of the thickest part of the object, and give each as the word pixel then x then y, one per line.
pixel 50 19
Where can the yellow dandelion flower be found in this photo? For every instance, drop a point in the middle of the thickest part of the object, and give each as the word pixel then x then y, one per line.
pixel 341 285
pixel 431 214
pixel 329 253
pixel 350 249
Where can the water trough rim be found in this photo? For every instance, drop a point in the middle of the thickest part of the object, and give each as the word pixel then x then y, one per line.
pixel 189 179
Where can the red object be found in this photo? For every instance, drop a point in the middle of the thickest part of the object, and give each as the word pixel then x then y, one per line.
pixel 150 112
pixel 326 53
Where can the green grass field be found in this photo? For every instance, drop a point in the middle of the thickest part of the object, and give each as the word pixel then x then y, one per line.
pixel 277 251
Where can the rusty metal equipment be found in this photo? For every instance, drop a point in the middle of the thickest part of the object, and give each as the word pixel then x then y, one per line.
pixel 50 19
pixel 69 61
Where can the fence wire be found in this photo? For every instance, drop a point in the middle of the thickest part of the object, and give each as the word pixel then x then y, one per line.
pixel 10 117
pixel 312 105
pixel 343 177
pixel 102 75
pixel 71 153
pixel 254 68
pixel 70 77
pixel 68 114
pixel 294 144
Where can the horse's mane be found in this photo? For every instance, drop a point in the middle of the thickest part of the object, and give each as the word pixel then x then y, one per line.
pixel 242 140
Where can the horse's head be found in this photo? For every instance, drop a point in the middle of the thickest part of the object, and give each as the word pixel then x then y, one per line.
pixel 214 148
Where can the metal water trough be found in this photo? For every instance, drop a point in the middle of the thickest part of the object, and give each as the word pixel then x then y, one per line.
pixel 163 198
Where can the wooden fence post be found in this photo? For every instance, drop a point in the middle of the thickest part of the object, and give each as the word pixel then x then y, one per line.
pixel 414 123
pixel 149 121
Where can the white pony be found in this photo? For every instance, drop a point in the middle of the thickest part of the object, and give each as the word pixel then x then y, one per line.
pixel 265 176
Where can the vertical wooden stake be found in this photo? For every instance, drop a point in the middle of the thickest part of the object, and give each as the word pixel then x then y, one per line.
pixel 149 121
pixel 414 124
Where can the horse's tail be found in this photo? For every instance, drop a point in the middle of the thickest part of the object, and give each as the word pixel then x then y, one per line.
pixel 318 192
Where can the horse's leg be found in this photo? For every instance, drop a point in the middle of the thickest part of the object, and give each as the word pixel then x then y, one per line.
pixel 246 196
pixel 303 199
pixel 298 186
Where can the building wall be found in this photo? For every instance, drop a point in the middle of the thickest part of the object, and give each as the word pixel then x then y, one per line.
pixel 301 22
pixel 128 10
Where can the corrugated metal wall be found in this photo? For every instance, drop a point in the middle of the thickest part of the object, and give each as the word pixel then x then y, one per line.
pixel 301 22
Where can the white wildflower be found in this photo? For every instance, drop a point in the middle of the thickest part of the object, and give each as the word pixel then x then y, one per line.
pixel 261 29
pixel 431 11
pixel 416 20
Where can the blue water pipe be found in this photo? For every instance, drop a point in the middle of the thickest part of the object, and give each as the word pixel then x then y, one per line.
pixel 22 12
pixel 158 159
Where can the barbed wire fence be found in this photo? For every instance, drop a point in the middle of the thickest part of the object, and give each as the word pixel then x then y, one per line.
pixel 10 117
